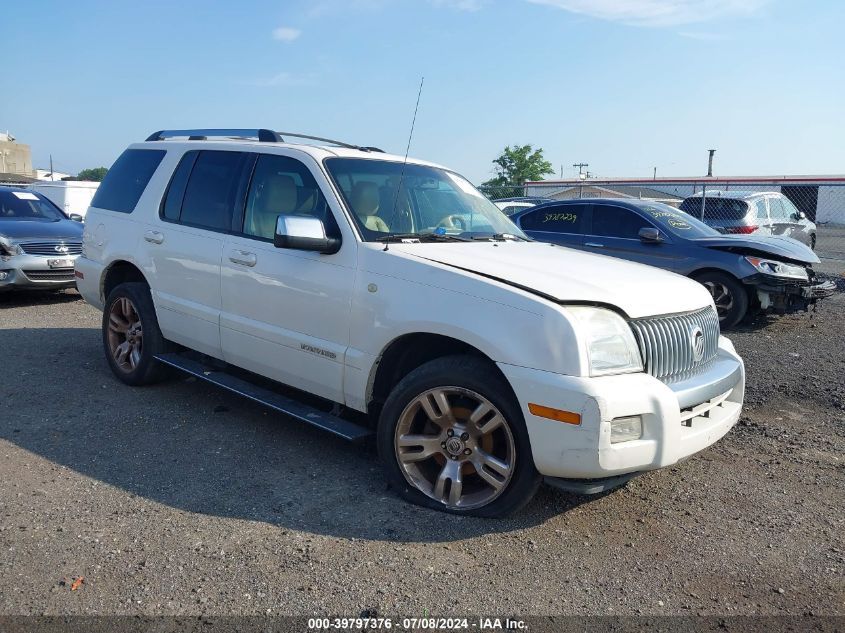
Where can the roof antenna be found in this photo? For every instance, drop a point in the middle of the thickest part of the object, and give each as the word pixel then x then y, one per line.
pixel 405 162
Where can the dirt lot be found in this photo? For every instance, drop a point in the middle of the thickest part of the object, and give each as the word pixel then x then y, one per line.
pixel 183 499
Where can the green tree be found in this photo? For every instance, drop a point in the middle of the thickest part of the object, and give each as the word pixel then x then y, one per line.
pixel 95 173
pixel 518 164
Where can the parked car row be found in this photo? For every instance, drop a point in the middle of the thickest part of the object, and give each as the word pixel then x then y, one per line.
pixel 746 267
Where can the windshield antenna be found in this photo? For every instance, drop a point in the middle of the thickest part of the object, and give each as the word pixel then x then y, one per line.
pixel 404 162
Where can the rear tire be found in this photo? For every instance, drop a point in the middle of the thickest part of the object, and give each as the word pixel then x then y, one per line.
pixel 729 295
pixel 452 437
pixel 131 336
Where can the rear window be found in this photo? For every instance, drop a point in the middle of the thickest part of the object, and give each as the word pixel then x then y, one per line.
pixel 126 180
pixel 715 208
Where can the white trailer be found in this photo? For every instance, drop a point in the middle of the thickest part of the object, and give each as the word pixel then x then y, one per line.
pixel 72 196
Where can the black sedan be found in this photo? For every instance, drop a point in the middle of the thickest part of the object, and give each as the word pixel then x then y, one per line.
pixel 745 274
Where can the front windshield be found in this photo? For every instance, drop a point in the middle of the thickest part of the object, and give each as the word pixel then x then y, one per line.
pixel 677 222
pixel 25 205
pixel 432 202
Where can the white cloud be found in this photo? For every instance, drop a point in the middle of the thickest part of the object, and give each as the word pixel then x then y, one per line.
pixel 657 12
pixel 286 34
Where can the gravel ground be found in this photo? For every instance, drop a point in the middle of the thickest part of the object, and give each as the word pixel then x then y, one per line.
pixel 182 499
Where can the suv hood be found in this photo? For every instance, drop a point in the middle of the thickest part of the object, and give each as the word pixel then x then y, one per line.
pixel 18 230
pixel 764 246
pixel 566 275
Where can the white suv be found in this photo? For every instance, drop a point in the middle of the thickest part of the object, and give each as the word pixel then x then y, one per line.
pixel 387 296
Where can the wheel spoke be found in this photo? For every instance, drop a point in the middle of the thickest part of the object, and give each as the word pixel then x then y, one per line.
pixel 134 357
pixel 483 421
pixel 491 469
pixel 451 473
pixel 429 445
pixel 117 324
pixel 121 352
pixel 437 408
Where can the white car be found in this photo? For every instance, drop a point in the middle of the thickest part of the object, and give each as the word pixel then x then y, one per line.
pixel 391 298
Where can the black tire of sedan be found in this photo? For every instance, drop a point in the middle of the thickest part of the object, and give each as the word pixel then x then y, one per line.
pixel 131 336
pixel 452 437
pixel 729 295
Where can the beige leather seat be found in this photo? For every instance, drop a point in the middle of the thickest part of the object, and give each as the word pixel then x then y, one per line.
pixel 277 197
pixel 365 202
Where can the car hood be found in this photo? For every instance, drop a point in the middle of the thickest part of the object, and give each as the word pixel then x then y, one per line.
pixel 771 246
pixel 19 230
pixel 567 275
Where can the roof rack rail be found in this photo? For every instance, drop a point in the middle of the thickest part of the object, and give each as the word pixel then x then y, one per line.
pixel 333 142
pixel 263 135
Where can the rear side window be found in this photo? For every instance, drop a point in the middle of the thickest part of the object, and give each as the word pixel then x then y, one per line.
pixel 566 218
pixel 212 190
pixel 760 209
pixel 777 210
pixel 171 208
pixel 715 208
pixel 613 221
pixel 126 180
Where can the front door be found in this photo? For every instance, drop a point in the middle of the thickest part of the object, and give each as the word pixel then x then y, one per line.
pixel 285 313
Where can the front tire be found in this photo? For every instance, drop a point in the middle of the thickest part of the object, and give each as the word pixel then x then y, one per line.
pixel 729 295
pixel 131 336
pixel 452 437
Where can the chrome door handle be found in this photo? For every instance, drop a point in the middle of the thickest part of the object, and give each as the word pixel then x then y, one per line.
pixel 154 237
pixel 594 244
pixel 243 258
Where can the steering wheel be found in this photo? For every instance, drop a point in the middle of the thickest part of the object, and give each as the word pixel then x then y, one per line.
pixel 453 222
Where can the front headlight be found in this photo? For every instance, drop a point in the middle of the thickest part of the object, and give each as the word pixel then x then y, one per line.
pixel 778 269
pixel 7 249
pixel 611 347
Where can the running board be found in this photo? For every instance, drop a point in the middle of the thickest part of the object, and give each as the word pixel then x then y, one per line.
pixel 295 409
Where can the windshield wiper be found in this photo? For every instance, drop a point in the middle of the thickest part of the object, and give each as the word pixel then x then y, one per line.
pixel 502 237
pixel 423 237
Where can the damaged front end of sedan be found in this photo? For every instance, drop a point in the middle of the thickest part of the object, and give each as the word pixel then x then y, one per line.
pixel 779 273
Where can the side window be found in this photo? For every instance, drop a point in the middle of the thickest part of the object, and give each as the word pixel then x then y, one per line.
pixel 211 192
pixel 565 218
pixel 613 221
pixel 776 208
pixel 790 209
pixel 126 180
pixel 760 209
pixel 171 206
pixel 281 186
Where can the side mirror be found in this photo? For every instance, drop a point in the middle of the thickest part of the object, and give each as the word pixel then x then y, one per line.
pixel 304 233
pixel 800 215
pixel 650 235
pixel 75 217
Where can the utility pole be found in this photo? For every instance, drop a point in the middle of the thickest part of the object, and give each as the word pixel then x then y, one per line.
pixel 710 163
pixel 561 171
pixel 655 174
pixel 581 176
pixel 52 177
pixel 580 167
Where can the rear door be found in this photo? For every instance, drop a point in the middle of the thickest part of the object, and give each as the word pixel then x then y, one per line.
pixel 184 245
pixel 559 224
pixel 614 230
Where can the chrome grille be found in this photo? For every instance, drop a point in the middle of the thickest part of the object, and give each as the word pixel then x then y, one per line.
pixel 666 346
pixel 49 248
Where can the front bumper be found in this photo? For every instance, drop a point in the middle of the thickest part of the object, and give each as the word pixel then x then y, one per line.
pixel 789 296
pixel 679 419
pixel 35 271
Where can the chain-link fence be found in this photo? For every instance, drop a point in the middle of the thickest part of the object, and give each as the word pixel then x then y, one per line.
pixel 809 210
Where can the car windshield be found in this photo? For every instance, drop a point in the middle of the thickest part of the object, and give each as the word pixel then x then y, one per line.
pixel 677 222
pixel 432 203
pixel 25 205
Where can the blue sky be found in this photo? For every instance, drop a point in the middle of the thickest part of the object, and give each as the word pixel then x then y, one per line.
pixel 624 85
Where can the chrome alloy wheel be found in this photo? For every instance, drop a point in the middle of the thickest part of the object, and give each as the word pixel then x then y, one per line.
pixel 125 335
pixel 722 297
pixel 455 446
